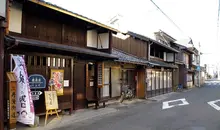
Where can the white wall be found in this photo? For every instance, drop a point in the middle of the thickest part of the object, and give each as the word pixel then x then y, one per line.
pixel 2 8
pixel 92 38
pixel 170 57
pixel 103 41
pixel 165 56
pixel 15 18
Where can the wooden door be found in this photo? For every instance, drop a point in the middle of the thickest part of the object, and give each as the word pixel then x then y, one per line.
pixel 115 82
pixel 105 90
pixel 141 83
pixel 91 82
pixel 79 85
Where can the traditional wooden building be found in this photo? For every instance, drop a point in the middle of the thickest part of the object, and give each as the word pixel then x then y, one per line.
pixel 184 61
pixel 50 37
pixel 160 76
pixel 129 69
pixel 195 65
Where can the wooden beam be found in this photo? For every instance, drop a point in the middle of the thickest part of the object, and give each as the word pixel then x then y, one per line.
pixel 2 33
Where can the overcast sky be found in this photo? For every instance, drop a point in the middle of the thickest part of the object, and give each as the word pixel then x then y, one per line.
pixel 196 18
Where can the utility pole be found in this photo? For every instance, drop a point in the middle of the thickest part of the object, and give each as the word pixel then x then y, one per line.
pixel 199 67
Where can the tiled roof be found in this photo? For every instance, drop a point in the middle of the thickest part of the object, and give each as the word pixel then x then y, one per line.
pixel 64 48
pixel 68 12
pixel 149 39
pixel 163 64
pixel 128 58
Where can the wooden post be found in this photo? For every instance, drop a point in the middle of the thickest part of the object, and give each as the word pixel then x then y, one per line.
pixel 2 31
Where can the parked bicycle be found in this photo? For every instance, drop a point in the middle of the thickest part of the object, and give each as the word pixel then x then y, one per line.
pixel 127 93
pixel 180 88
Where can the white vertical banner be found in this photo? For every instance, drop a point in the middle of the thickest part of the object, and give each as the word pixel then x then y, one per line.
pixel 24 102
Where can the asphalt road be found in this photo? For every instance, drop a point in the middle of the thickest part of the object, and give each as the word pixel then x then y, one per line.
pixel 195 114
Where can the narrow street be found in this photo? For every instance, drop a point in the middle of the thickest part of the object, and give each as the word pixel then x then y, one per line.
pixel 195 113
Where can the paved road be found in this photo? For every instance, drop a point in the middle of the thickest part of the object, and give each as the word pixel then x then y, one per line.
pixel 194 114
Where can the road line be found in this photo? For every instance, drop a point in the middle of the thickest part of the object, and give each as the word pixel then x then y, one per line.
pixel 212 103
pixel 167 106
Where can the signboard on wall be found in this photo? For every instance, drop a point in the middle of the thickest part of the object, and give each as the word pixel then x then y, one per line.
pixel 100 74
pixel 2 8
pixel 57 81
pixel 37 81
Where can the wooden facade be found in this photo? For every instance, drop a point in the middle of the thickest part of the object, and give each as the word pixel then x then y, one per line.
pixel 132 46
pixel 41 30
pixel 51 27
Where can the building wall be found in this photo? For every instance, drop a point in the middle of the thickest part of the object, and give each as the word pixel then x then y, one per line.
pixel 40 23
pixel 131 45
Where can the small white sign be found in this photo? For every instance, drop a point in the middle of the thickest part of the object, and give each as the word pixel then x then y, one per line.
pixel 66 83
pixel 166 104
pixel 36 93
pixel 35 97
pixel 91 83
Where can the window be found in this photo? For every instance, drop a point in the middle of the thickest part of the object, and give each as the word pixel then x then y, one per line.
pixel 189 77
pixel 48 61
pixel 157 54
pixel 161 55
pixel 152 51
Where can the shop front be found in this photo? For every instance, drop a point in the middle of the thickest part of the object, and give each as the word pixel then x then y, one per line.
pixel 44 61
pixel 131 73
pixel 159 78
pixel 158 82
pixel 116 77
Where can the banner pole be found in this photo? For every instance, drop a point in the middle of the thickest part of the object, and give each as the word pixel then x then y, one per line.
pixel 11 62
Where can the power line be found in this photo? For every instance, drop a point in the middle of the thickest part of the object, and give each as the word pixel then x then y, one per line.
pixel 167 17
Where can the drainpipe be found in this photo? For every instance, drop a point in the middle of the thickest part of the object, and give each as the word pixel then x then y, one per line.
pixel 148 58
pixel 2 33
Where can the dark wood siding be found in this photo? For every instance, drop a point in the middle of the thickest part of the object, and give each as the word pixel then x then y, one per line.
pixel 42 24
pixel 80 85
pixel 131 45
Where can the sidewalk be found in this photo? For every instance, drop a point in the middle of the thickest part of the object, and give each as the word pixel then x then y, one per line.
pixel 81 115
pixel 161 97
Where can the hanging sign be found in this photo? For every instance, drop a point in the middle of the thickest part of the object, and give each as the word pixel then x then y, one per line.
pixel 24 102
pixel 198 68
pixel 56 81
pixel 37 81
pixel 100 74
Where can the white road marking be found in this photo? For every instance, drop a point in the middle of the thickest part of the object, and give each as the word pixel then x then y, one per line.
pixel 212 83
pixel 212 103
pixel 167 106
